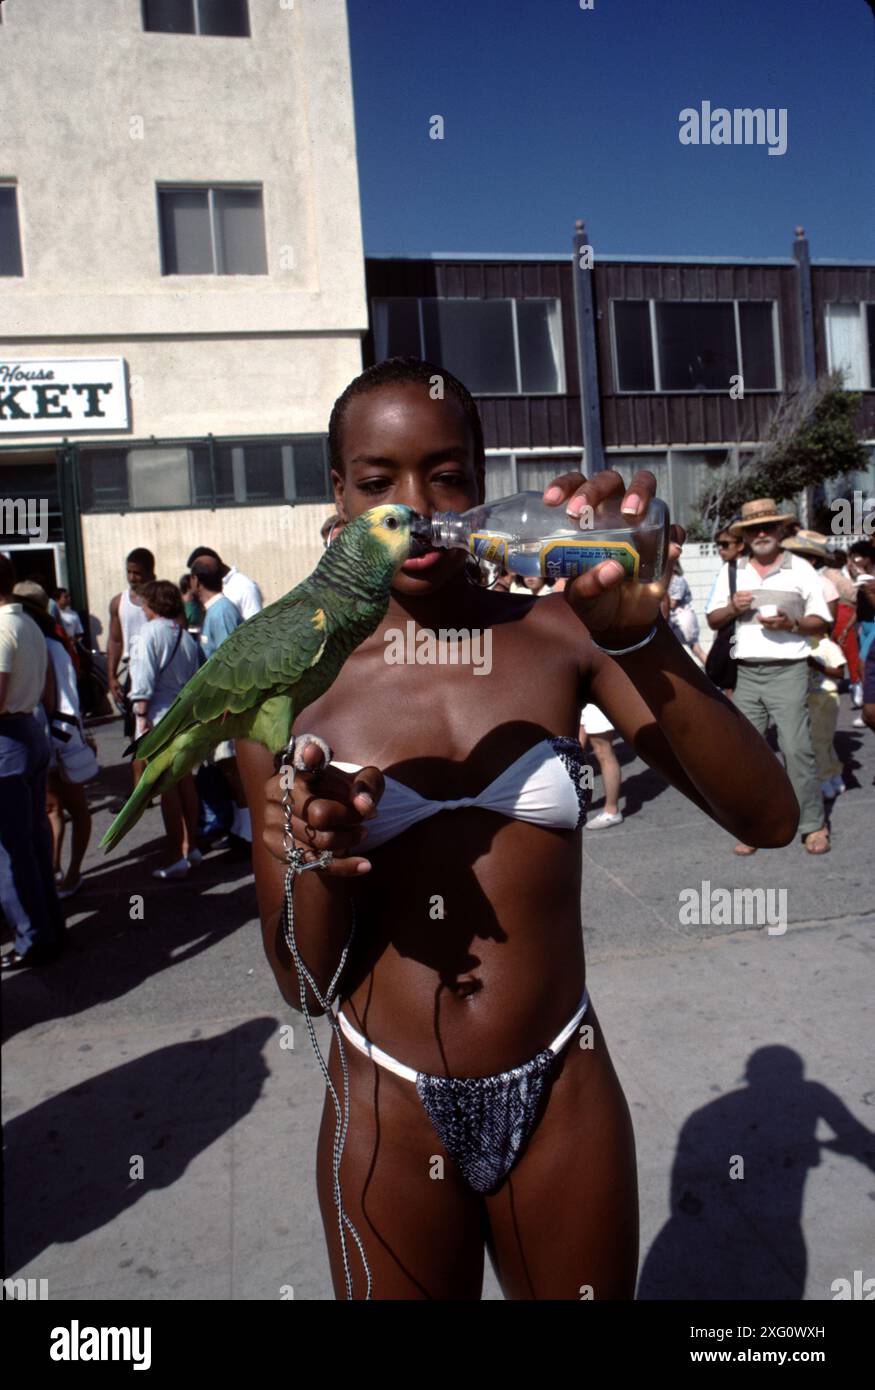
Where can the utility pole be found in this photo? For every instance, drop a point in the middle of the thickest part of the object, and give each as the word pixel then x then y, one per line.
pixel 587 359
pixel 806 326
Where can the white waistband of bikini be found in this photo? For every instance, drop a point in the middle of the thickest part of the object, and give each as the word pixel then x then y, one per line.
pixel 383 1059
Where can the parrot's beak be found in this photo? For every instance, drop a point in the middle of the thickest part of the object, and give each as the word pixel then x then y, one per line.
pixel 420 535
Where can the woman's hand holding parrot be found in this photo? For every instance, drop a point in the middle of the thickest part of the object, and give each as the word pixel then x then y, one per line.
pixel 328 808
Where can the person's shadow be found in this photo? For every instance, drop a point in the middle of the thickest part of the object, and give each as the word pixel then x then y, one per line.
pixel 741 1237
pixel 69 1160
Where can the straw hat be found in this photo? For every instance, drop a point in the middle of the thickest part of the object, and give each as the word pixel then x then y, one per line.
pixel 809 543
pixel 762 509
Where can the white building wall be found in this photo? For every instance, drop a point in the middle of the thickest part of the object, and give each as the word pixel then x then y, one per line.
pixel 183 387
pixel 95 113
pixel 275 546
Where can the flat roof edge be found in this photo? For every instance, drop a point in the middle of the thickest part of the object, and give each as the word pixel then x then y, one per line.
pixel 612 259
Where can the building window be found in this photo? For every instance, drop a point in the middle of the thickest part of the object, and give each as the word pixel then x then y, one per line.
pixel 846 485
pixel 535 472
pixel 212 231
pixel 682 477
pixel 665 345
pixel 628 464
pixel 10 240
pixel 229 18
pixel 104 480
pixel 29 490
pixel 850 344
pixel 633 346
pixel 497 347
pixel 227 473
pixel 500 478
pixel 524 471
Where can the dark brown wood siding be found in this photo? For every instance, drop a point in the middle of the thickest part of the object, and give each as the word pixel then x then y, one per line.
pixel 698 417
pixel 532 422
pixel 628 418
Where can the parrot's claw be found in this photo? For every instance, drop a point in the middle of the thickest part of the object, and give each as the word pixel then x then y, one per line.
pixel 297 744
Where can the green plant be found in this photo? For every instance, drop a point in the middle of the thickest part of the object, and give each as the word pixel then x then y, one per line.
pixel 810 437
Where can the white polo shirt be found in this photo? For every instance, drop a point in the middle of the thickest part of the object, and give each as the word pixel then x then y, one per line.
pixel 243 592
pixel 792 580
pixel 24 657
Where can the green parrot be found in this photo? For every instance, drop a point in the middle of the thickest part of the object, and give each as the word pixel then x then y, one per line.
pixel 279 661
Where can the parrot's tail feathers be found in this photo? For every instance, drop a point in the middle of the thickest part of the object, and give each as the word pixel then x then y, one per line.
pixel 151 782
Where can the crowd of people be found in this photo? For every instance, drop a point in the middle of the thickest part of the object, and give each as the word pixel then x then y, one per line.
pixel 795 618
pixel 160 632
pixel 794 622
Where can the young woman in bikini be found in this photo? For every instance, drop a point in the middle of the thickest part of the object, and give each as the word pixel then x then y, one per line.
pixel 485 1111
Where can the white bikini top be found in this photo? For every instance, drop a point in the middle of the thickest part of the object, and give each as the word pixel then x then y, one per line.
pixel 542 787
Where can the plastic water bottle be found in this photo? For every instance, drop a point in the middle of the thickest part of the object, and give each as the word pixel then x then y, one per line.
pixel 524 536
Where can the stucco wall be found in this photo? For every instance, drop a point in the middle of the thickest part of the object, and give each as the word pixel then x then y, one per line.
pixel 183 387
pixel 120 110
pixel 275 546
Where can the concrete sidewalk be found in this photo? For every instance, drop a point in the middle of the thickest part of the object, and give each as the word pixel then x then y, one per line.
pixel 161 1038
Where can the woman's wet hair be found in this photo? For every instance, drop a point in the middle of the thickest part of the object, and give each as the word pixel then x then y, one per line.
pixel 389 372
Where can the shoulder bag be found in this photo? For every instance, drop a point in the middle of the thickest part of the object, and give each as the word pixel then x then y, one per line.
pixel 720 666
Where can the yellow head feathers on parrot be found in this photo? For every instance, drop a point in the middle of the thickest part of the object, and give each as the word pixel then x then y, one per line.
pixel 279 661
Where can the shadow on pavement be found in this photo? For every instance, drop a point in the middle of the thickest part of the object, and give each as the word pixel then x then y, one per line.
pixel 741 1237
pixel 69 1158
pixel 112 952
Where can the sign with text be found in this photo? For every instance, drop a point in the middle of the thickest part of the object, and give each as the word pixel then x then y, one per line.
pixel 49 395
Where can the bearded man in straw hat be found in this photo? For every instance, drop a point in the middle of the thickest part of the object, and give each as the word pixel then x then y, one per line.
pixel 778 605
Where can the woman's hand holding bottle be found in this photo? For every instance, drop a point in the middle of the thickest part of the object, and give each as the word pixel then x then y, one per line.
pixel 617 611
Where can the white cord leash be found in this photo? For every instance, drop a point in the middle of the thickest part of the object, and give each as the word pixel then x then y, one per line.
pixel 298 865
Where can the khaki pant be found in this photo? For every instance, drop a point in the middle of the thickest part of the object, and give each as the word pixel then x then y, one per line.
pixel 777 692
pixel 823 710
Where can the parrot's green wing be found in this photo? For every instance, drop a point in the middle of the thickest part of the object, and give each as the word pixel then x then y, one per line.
pixel 280 661
pixel 265 656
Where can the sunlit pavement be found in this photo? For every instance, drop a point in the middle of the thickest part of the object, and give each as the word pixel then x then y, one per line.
pixel 153 1046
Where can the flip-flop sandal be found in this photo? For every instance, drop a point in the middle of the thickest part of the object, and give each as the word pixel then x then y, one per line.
pixel 744 850
pixel 821 837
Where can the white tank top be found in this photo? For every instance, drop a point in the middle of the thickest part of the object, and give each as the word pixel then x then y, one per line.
pixel 133 621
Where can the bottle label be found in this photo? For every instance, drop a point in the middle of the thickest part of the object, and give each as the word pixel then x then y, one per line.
pixel 571 558
pixel 484 546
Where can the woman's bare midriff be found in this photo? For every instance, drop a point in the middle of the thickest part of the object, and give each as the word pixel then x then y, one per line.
pixel 467 958
pixel 470 968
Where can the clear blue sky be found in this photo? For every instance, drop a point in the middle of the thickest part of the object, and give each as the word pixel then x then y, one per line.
pixel 552 112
